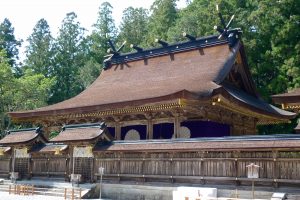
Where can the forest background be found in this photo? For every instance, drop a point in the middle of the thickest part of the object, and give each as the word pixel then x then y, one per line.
pixel 58 68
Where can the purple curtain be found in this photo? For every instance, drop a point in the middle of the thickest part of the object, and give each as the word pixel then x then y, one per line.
pixel 207 129
pixel 142 129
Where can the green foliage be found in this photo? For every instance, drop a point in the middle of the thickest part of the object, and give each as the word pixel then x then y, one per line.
pixel 33 91
pixel 164 15
pixel 277 128
pixel 89 72
pixel 39 51
pixel 9 43
pixel 6 89
pixel 70 55
pixel 104 28
pixel 133 28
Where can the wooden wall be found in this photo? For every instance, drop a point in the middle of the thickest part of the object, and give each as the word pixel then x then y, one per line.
pixel 5 166
pixel 49 166
pixel 278 167
pixel 201 167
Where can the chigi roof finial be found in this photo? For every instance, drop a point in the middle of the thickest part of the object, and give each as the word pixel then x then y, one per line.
pixel 226 32
pixel 112 52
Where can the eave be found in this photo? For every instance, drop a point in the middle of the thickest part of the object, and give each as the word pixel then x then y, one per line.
pixel 169 102
pixel 237 103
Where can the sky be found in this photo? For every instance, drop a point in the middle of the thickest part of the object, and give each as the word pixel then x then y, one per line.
pixel 24 14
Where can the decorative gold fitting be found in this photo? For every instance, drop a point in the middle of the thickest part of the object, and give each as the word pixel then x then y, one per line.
pixel 1 152
pixel 57 151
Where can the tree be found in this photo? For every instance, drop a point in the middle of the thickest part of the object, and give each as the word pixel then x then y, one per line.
pixel 31 91
pixel 133 28
pixel 39 52
pixel 199 18
pixel 276 60
pixel 104 28
pixel 27 92
pixel 9 43
pixel 163 17
pixel 70 56
pixel 89 72
pixel 7 85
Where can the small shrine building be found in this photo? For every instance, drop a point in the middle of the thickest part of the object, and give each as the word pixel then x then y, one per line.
pixel 21 142
pixel 289 101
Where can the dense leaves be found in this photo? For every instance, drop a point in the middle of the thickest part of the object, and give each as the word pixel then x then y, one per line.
pixel 39 51
pixel 10 44
pixel 69 58
pixel 164 15
pixel 58 68
pixel 133 28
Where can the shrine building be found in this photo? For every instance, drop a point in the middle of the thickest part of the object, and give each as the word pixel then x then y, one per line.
pixel 185 112
pixel 197 88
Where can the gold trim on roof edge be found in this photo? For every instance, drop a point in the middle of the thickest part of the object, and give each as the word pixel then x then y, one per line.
pixel 221 101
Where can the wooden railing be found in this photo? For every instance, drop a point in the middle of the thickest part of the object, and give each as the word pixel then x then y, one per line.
pixel 67 193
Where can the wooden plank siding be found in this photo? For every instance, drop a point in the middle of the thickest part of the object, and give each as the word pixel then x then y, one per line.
pixel 55 167
pixel 5 166
pixel 276 167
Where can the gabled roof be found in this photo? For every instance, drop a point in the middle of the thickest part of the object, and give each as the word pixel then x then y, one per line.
pixel 283 141
pixel 289 97
pixel 82 132
pixel 188 70
pixel 48 148
pixel 255 103
pixel 22 136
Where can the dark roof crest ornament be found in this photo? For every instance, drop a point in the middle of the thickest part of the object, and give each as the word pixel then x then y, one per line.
pixel 227 35
pixel 232 35
pixel 112 51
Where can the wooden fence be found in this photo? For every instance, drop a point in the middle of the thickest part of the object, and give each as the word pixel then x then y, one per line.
pixel 49 166
pixel 201 167
pixel 278 166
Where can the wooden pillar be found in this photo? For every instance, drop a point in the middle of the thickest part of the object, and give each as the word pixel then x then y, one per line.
pixel 117 129
pixel 275 168
pixel 149 129
pixel 92 169
pixel 236 155
pixel 176 126
pixel 149 134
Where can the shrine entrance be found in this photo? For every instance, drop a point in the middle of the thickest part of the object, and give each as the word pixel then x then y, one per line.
pixel 83 161
pixel 22 167
pixel 20 162
pixel 84 166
